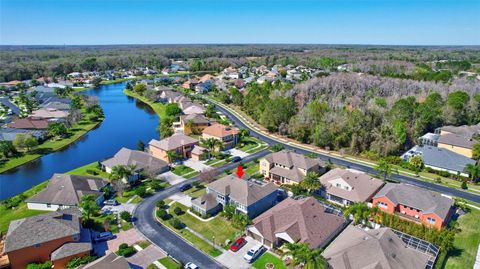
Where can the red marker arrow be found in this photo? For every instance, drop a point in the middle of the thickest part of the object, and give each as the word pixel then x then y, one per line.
pixel 240 171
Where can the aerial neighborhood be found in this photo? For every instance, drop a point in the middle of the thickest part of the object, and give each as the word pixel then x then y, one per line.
pixel 222 186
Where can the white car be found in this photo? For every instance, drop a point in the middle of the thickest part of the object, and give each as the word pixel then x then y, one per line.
pixel 190 265
pixel 253 253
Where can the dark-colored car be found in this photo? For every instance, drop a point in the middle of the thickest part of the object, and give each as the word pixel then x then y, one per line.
pixel 185 187
pixel 103 236
pixel 238 244
pixel 236 159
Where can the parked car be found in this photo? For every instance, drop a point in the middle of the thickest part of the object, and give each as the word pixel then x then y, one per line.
pixel 238 244
pixel 185 187
pixel 105 236
pixel 236 159
pixel 111 202
pixel 190 265
pixel 253 253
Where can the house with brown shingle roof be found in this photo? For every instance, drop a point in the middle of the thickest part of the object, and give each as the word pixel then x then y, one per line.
pixel 302 220
pixel 194 123
pixel 181 144
pixel 288 167
pixel 49 114
pixel 29 124
pixel 348 186
pixel 356 248
pixel 227 134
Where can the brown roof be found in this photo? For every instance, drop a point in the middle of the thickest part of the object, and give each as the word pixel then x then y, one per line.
pixel 292 159
pixel 140 159
pixel 304 220
pixel 362 185
pixel 356 248
pixel 195 118
pixel 48 113
pixel 206 201
pixel 108 261
pixel 173 142
pixel 28 123
pixel 220 130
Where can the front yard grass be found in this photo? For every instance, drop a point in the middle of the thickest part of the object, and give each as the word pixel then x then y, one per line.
pixel 181 170
pixel 466 242
pixel 169 263
pixel 268 258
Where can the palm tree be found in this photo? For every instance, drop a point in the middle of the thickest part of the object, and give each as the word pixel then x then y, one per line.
pixel 311 182
pixel 359 211
pixel 218 144
pixel 209 143
pixel 120 172
pixel 474 171
pixel 171 156
pixel 302 254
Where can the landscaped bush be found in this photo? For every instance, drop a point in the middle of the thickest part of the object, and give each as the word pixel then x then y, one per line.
pixel 75 262
pixel 46 265
pixel 126 216
pixel 92 172
pixel 141 191
pixel 276 147
pixel 14 201
pixel 162 213
pixel 157 185
pixel 160 203
pixel 176 223
pixel 125 250
pixel 178 211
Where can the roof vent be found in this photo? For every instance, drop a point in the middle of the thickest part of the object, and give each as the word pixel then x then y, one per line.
pixel 394 255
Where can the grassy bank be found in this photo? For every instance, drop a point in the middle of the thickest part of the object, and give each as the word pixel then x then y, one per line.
pixel 50 145
pixel 106 82
pixel 159 108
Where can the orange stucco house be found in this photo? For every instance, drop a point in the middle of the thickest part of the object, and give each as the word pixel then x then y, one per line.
pixel 180 144
pixel 415 204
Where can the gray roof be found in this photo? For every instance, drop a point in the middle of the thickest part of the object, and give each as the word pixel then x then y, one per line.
pixel 138 158
pixel 66 189
pixel 465 130
pixel 175 141
pixel 242 190
pixel 56 105
pixel 207 201
pixel 6 102
pixel 363 185
pixel 43 228
pixel 9 134
pixel 457 140
pixel 109 261
pixel 409 195
pixel 439 157
pixel 292 159
pixel 70 249
pixel 195 118
pixel 356 248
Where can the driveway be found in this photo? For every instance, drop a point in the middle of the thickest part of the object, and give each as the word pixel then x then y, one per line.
pixel 171 178
pixel 182 198
pixel 196 165
pixel 119 208
pixel 234 260
pixel 144 258
pixel 236 152
pixel 130 237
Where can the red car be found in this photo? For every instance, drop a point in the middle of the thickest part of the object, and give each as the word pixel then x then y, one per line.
pixel 238 244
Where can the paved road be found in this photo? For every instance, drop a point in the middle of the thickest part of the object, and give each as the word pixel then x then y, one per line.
pixel 175 246
pixel 358 166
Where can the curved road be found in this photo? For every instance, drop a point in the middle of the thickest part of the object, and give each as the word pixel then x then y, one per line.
pixel 174 245
pixel 347 163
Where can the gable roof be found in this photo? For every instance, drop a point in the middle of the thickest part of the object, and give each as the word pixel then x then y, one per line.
pixel 362 185
pixel 242 190
pixel 192 108
pixel 138 158
pixel 409 195
pixel 195 118
pixel 206 201
pixel 292 159
pixel 66 189
pixel 27 123
pixel 304 220
pixel 355 248
pixel 220 130
pixel 42 228
pixel 457 140
pixel 108 261
pixel 48 113
pixel 175 141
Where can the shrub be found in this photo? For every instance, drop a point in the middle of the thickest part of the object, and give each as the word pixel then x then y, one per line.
pixel 178 211
pixel 125 251
pixel 160 204
pixel 162 213
pixel 156 185
pixel 176 223
pixel 14 201
pixel 126 216
pixel 76 262
pixel 141 191
pixel 92 172
pixel 464 185
pixel 276 147
pixel 45 265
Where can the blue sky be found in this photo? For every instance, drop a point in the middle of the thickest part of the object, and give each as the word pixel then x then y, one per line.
pixel 394 22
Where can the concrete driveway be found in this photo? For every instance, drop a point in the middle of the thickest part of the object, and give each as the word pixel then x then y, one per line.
pixel 171 178
pixel 196 165
pixel 145 257
pixel 236 152
pixel 234 260
pixel 182 198
pixel 130 237
pixel 119 208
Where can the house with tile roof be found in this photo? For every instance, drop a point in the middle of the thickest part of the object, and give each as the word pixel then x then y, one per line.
pixel 356 248
pixel 65 191
pixel 194 123
pixel 227 134
pixel 29 124
pixel 288 167
pixel 57 236
pixel 302 220
pixel 249 197
pixel 416 204
pixel 142 161
pixel 178 143
pixel 348 186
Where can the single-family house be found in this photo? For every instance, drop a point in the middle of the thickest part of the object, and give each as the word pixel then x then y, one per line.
pixel 302 220
pixel 416 204
pixel 199 153
pixel 440 159
pixel 178 143
pixel 109 261
pixel 227 134
pixel 288 167
pixel 194 123
pixel 356 248
pixel 9 134
pixel 65 191
pixel 189 108
pixel 206 205
pixel 49 114
pixel 141 161
pixel 249 197
pixel 29 124
pixel 348 186
pixel 57 236
pixel 459 139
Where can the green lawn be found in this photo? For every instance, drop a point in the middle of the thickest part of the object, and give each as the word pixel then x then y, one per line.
pixel 144 244
pixel 248 143
pixel 218 227
pixel 169 263
pixel 50 145
pixel 268 258
pixel 82 171
pixel 106 82
pixel 195 193
pixel 180 170
pixel 192 174
pixel 159 108
pixel 466 242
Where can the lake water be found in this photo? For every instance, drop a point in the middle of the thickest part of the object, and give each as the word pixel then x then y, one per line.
pixel 126 122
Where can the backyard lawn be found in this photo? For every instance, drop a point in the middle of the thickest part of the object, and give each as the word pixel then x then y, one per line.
pixel 268 258
pixel 90 169
pixel 159 108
